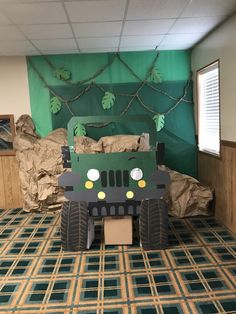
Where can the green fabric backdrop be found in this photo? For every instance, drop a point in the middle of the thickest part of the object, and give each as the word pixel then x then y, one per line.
pixel 174 66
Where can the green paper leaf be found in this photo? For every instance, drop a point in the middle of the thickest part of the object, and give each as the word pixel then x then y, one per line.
pixel 62 74
pixel 79 129
pixel 108 100
pixel 55 105
pixel 160 121
pixel 155 75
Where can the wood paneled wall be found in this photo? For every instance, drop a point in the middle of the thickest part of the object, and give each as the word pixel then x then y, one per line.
pixel 220 174
pixel 10 194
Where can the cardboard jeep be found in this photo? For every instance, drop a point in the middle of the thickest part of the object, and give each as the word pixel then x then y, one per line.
pixel 105 182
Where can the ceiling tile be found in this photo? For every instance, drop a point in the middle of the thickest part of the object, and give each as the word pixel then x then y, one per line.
pixel 23 1
pixel 98 42
pixel 16 46
pixel 170 46
pixel 199 8
pixel 153 27
pixel 155 9
pixel 137 48
pixel 92 50
pixel 94 11
pixel 180 41
pixel 55 44
pixel 194 25
pixel 49 31
pixel 59 52
pixel 36 13
pixel 4 20
pixel 139 41
pixel 97 24
pixel 97 29
pixel 10 32
pixel 19 53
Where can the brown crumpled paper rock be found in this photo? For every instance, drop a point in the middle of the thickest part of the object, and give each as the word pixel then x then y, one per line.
pixel 26 125
pixel 40 165
pixel 86 145
pixel 111 144
pixel 120 143
pixel 186 196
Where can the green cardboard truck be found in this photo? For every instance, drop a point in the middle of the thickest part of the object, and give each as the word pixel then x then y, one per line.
pixel 113 184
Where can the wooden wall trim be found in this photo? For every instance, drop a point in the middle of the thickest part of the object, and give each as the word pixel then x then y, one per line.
pixel 220 174
pixel 228 143
pixel 10 192
pixel 2 190
pixel 209 154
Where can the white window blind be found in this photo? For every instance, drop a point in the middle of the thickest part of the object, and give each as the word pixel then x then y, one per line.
pixel 209 109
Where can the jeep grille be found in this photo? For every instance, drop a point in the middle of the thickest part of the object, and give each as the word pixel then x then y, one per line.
pixel 115 178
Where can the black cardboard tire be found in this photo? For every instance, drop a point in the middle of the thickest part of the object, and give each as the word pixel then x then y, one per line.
pixel 153 225
pixel 74 226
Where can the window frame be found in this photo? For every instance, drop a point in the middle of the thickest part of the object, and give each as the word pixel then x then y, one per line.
pixel 198 72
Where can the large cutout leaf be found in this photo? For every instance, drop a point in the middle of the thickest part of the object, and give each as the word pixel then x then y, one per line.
pixel 108 100
pixel 155 75
pixel 160 121
pixel 79 129
pixel 62 74
pixel 55 105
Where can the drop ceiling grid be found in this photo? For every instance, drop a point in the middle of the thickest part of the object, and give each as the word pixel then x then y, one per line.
pixel 65 26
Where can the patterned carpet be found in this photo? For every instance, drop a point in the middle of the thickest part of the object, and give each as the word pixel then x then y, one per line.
pixel 197 274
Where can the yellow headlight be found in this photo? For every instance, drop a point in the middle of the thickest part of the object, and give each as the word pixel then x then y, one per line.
pixel 101 195
pixel 142 183
pixel 130 194
pixel 89 184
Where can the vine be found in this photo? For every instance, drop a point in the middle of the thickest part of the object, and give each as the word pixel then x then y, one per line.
pixel 96 74
pixel 153 75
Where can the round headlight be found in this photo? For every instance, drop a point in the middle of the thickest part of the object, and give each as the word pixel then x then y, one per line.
pixel 136 174
pixel 93 174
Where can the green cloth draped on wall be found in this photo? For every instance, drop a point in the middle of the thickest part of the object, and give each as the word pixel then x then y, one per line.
pixel 174 66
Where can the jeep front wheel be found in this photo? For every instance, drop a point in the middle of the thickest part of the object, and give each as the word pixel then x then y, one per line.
pixel 74 226
pixel 153 225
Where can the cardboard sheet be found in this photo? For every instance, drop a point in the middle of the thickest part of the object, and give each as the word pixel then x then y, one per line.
pixel 118 230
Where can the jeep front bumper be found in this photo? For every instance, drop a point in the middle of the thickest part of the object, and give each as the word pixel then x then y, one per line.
pixel 71 180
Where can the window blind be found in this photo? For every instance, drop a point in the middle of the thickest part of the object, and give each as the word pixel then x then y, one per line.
pixel 209 109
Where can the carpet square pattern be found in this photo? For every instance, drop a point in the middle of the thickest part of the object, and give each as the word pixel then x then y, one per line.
pixel 196 274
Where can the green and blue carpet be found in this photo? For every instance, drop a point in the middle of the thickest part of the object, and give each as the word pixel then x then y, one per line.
pixel 197 274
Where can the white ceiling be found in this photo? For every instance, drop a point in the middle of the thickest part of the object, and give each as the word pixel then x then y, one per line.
pixel 34 27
